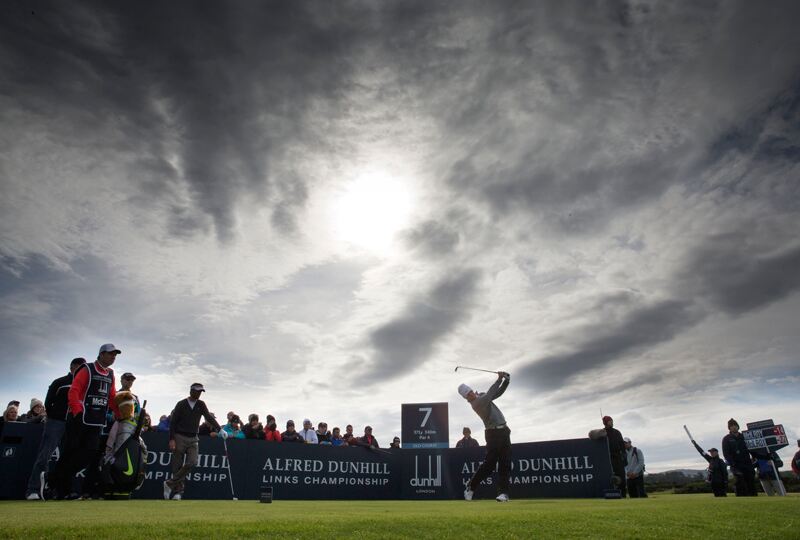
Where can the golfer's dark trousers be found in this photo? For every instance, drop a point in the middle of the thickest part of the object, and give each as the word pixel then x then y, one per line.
pixel 498 453
pixel 745 482
pixel 636 487
pixel 720 489
pixel 80 452
pixel 618 467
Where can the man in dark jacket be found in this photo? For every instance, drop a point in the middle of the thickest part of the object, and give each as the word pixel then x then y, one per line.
pixel 183 439
pixel 467 441
pixel 740 461
pixel 796 462
pixel 616 452
pixel 56 410
pixel 717 471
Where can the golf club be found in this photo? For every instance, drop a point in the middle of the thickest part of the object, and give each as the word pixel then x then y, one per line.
pixel 230 476
pixel 476 369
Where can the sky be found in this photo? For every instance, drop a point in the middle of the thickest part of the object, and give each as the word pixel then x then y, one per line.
pixel 320 209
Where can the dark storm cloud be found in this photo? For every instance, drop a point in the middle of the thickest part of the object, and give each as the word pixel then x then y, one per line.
pixel 433 238
pixel 602 344
pixel 726 271
pixel 405 342
pixel 225 88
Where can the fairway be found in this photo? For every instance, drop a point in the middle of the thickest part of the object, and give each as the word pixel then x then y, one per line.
pixel 660 516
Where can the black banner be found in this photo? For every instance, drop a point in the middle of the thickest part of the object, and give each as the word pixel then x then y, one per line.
pixel 576 468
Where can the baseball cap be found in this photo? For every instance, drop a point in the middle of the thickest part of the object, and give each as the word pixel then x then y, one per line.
pixel 713 450
pixel 109 347
pixel 128 375
pixel 463 389
pixel 626 439
pixel 197 387
pixel 13 402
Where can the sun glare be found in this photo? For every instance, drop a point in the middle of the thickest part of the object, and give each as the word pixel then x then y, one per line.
pixel 371 210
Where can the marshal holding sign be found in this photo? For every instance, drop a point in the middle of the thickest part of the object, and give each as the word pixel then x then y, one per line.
pixel 425 425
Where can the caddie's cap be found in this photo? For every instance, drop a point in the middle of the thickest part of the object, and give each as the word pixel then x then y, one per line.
pixel 713 450
pixel 197 387
pixel 463 389
pixel 128 375
pixel 626 439
pixel 109 347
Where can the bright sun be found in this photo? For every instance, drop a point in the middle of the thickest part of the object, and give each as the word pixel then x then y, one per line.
pixel 371 210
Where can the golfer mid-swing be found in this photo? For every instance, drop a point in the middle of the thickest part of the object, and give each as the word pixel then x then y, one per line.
pixel 498 436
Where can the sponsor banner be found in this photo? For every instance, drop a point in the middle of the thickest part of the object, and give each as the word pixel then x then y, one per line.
pixel 576 468
pixel 425 425
pixel 295 471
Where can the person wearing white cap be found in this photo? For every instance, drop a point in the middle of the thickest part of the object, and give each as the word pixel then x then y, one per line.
pixel 498 437
pixel 184 441
pixel 634 470
pixel 89 398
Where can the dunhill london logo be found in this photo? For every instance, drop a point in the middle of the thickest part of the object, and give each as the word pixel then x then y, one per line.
pixel 431 480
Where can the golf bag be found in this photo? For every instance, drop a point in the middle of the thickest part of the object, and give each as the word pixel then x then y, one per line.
pixel 126 471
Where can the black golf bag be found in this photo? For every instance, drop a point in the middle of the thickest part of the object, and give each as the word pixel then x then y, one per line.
pixel 125 473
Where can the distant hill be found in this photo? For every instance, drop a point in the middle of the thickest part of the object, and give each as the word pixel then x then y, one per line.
pixel 675 477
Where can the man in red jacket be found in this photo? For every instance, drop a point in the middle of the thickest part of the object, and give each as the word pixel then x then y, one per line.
pixel 89 398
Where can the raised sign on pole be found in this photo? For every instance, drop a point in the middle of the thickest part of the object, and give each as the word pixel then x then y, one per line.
pixel 765 435
pixel 425 425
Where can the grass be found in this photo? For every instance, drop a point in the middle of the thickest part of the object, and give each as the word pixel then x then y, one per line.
pixel 660 516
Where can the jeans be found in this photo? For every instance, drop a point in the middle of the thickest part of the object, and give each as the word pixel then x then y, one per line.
pixel 51 438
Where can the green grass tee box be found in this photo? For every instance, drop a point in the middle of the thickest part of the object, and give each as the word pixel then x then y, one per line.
pixel 659 516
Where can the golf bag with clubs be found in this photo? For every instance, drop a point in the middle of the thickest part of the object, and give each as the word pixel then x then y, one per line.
pixel 125 472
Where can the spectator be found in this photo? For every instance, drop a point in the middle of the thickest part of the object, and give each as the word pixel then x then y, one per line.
pixel 36 414
pixel 308 434
pixel 290 435
pixel 253 429
pixel 56 409
pixel 323 435
pixel 467 441
pixel 717 471
pixel 163 424
pixel 271 432
pixel 90 396
pixel 395 443
pixel 206 429
pixel 796 462
pixel 348 436
pixel 147 423
pixel 11 414
pixel 230 415
pixel 768 474
pixel 336 438
pixel 738 458
pixel 368 439
pixel 634 470
pixel 183 439
pixel 616 452
pixel 234 427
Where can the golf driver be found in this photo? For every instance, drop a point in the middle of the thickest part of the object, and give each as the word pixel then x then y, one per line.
pixel 230 476
pixel 476 369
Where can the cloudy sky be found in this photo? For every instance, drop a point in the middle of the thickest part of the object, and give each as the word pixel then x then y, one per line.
pixel 319 209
